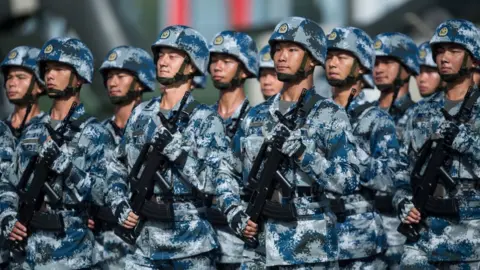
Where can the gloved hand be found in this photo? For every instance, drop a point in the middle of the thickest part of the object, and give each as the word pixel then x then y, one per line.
pixel 405 209
pixel 289 142
pixel 172 143
pixel 58 160
pixel 449 131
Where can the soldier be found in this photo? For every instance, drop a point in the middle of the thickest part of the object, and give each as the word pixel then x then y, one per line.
pixel 23 86
pixel 127 73
pixel 318 153
pixel 71 146
pixel 428 80
pixel 269 83
pixel 233 59
pixel 192 141
pixel 396 60
pixel 447 237
pixel 350 56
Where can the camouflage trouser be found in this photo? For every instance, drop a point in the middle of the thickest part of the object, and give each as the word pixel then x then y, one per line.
pixel 204 261
pixel 414 259
pixel 391 257
pixel 310 266
pixel 372 262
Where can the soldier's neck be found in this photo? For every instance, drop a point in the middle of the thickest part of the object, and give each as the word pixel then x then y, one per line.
pixel 229 101
pixel 61 107
pixel 386 97
pixel 457 90
pixel 122 113
pixel 173 95
pixel 342 94
pixel 19 113
pixel 292 91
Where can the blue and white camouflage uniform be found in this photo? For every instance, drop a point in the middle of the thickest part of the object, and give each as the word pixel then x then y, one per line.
pixel 312 240
pixel 111 249
pixel 79 167
pixel 361 234
pixel 447 242
pixel 188 243
pixel 243 48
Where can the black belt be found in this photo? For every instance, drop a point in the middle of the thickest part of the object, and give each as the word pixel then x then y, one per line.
pixel 338 208
pixel 216 217
pixel 383 203
pixel 162 212
pixel 47 222
pixel 442 207
pixel 277 211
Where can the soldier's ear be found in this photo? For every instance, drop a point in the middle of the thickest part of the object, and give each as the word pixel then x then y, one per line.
pixel 362 70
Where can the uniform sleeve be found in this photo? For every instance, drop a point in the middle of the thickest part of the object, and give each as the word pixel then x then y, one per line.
pixel 467 141
pixel 8 201
pixel 88 163
pixel 329 157
pixel 117 177
pixel 378 168
pixel 7 146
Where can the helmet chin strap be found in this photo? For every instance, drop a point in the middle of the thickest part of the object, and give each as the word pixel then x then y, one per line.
pixel 299 75
pixel 464 71
pixel 179 76
pixel 28 98
pixel 130 96
pixel 351 79
pixel 237 81
pixel 68 92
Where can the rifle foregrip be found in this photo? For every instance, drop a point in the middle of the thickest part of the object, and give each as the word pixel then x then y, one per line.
pixel 410 231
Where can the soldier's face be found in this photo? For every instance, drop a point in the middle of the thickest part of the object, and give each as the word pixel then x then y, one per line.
pixel 386 70
pixel 449 58
pixel 223 67
pixel 269 83
pixel 339 64
pixel 118 82
pixel 17 82
pixel 428 80
pixel 57 76
pixel 169 62
pixel 288 57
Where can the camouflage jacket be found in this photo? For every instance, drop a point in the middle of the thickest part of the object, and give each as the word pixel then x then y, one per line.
pixel 73 249
pixel 327 163
pixel 361 234
pixel 445 239
pixel 204 140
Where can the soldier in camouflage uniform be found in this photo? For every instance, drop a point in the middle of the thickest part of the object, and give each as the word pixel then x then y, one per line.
pixel 127 73
pixel 428 80
pixel 319 154
pixel 233 59
pixel 361 236
pixel 396 60
pixel 77 145
pixel 269 83
pixel 24 86
pixel 194 153
pixel 449 238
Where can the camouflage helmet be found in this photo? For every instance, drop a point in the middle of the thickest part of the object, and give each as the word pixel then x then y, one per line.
pixel 239 45
pixel 186 39
pixel 70 51
pixel 461 32
pixel 353 40
pixel 368 81
pixel 24 57
pixel 400 47
pixel 134 60
pixel 304 32
pixel 200 82
pixel 425 55
pixel 265 59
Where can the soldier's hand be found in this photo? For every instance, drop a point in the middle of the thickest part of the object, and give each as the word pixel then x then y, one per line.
pixel 250 230
pixel 18 232
pixel 413 216
pixel 131 221
pixel 91 224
